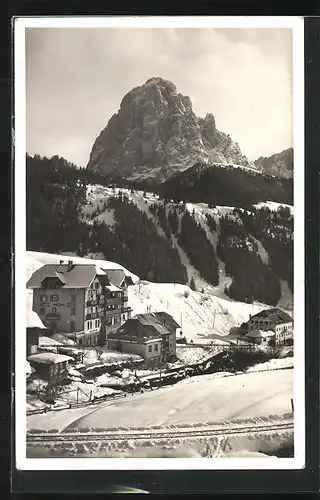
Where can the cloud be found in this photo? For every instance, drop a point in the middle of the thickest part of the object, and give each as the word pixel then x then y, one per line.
pixel 77 77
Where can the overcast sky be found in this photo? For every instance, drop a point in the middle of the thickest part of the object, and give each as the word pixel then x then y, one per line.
pixel 77 77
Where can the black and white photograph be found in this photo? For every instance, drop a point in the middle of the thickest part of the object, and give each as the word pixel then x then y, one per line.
pixel 159 243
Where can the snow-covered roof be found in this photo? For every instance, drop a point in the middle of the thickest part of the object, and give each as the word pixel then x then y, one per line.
pixel 260 334
pixel 74 276
pixel 33 320
pixel 116 276
pixel 49 358
pixel 59 337
pixel 275 315
pixel 29 368
pixel 38 259
pixel 113 288
pixel 47 341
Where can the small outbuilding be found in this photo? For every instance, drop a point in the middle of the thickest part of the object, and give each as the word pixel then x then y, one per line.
pixel 262 337
pixel 50 366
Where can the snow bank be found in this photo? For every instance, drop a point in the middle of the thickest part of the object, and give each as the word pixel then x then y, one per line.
pixel 273 364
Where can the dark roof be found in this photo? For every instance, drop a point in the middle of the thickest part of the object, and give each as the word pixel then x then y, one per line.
pixel 79 276
pixel 167 320
pixel 135 331
pixel 146 327
pixel 115 276
pixel 275 315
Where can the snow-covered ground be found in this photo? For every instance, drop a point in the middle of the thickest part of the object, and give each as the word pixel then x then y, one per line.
pixel 202 316
pixel 192 355
pixel 217 398
pixel 96 356
pixel 225 398
pixel 274 206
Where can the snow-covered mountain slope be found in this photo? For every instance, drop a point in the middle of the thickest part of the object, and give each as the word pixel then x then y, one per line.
pixel 203 315
pixel 273 206
pixel 97 210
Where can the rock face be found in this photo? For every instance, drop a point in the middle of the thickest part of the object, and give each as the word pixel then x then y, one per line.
pixel 280 164
pixel 156 133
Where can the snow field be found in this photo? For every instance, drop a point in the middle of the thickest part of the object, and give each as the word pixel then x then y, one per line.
pixel 219 399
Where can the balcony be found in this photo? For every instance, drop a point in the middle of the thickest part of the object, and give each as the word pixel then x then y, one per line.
pixel 112 312
pixel 92 316
pixel 114 301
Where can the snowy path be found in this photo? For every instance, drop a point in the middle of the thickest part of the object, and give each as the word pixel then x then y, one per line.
pixel 261 250
pixel 286 299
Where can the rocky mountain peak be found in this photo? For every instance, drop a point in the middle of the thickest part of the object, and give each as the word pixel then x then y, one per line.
pixel 279 164
pixel 156 133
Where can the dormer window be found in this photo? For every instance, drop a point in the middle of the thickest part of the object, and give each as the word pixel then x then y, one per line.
pixel 51 283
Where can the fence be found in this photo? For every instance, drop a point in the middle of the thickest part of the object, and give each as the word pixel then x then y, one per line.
pixel 76 405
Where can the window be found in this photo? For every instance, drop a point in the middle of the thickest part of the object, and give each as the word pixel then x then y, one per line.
pixel 42 310
pixel 43 298
pixel 149 348
pixel 73 298
pixel 72 326
pixel 156 347
pixel 73 311
pixel 54 310
pixel 55 298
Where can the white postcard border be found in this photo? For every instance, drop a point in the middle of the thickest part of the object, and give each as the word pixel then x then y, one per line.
pixel 24 463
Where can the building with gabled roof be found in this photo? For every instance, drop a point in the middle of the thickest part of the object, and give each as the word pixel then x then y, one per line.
pixel 68 298
pixel 151 335
pixel 275 320
pixel 80 301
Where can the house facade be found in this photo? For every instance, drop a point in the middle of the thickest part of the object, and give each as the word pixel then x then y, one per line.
pixel 274 320
pixel 81 301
